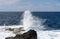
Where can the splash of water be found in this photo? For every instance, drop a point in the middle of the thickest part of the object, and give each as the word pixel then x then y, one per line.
pixel 27 19
pixel 32 22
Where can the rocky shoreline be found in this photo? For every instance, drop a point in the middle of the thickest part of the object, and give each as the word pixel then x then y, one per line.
pixel 31 34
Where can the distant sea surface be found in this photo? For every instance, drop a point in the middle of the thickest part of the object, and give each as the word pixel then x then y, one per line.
pixel 14 18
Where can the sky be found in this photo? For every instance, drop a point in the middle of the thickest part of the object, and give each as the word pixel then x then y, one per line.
pixel 33 5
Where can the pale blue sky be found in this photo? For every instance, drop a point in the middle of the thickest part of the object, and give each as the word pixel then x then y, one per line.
pixel 33 5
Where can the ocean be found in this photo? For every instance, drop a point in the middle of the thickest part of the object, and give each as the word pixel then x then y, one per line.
pixel 14 18
pixel 46 24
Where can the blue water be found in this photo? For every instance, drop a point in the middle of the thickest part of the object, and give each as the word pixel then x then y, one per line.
pixel 14 18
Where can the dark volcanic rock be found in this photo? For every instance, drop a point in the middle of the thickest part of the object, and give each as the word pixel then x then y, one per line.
pixel 31 34
pixel 9 38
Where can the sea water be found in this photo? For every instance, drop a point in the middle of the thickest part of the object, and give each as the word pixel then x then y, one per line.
pixel 46 24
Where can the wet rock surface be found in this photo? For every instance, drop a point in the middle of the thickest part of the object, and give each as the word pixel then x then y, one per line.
pixel 31 34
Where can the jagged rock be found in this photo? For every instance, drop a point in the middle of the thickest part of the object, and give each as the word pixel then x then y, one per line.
pixel 31 34
pixel 9 29
pixel 9 38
